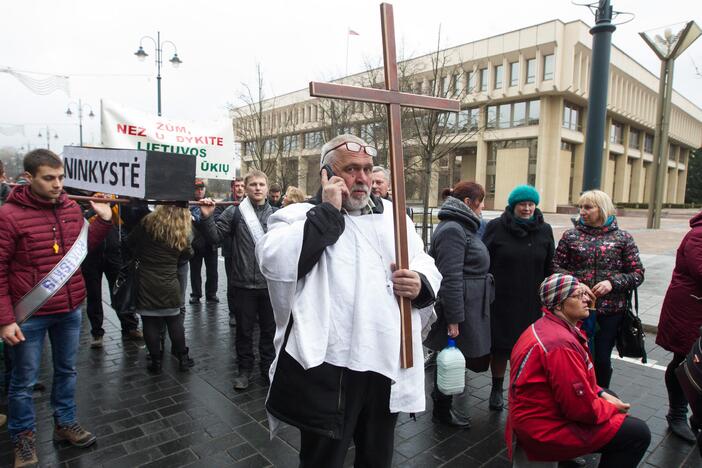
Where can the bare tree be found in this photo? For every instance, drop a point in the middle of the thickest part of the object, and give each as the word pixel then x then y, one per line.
pixel 268 138
pixel 431 135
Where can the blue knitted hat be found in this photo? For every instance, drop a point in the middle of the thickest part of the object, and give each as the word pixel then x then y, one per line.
pixel 523 193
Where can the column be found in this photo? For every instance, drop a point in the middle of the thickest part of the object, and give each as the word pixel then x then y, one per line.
pixel 621 172
pixel 302 167
pixel 548 173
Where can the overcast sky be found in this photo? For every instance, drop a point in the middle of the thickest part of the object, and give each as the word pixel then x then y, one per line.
pixel 220 43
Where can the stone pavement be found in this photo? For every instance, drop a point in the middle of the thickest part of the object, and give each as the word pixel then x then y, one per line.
pixel 196 419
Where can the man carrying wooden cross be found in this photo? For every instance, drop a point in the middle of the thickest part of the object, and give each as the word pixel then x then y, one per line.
pixel 332 282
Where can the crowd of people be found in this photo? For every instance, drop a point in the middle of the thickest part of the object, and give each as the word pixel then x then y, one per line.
pixel 316 277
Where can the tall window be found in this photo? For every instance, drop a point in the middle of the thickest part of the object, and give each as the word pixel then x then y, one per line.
pixel 534 112
pixel 483 79
pixel 530 71
pixel 444 86
pixel 514 73
pixel 549 64
pixel 571 116
pixel 472 76
pixel 498 76
pixel 634 139
pixel 648 143
pixel 457 84
pixel 519 114
pixel 616 133
pixel 504 119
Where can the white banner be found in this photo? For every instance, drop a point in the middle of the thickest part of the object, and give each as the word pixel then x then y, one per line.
pixel 212 143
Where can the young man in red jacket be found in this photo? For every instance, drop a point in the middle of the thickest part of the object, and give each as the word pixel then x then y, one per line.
pixel 38 226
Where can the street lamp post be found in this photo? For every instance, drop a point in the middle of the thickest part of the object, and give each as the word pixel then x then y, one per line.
pixel 668 46
pixel 48 137
pixel 597 101
pixel 80 115
pixel 158 45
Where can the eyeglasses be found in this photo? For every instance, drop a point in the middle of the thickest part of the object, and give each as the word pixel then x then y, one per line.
pixel 355 148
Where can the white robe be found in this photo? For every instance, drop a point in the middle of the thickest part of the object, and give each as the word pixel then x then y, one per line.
pixel 344 310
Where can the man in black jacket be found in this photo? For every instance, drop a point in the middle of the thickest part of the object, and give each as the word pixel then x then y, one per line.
pixel 245 224
pixel 204 251
pixel 236 196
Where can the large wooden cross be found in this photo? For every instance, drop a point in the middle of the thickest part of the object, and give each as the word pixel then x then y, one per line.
pixel 393 99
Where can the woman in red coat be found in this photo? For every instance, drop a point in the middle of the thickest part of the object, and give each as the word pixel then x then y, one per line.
pixel 556 409
pixel 681 318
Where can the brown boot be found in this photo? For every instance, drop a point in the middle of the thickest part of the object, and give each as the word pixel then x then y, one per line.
pixel 25 450
pixel 74 434
pixel 134 335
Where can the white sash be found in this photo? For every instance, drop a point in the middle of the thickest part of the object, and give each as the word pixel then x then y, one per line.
pixel 251 220
pixel 55 279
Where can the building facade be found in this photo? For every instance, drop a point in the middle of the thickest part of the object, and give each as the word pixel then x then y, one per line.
pixel 523 120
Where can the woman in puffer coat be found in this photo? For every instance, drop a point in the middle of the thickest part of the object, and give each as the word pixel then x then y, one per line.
pixel 681 318
pixel 466 291
pixel 605 259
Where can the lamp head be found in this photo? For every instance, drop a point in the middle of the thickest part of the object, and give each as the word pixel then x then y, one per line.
pixel 141 54
pixel 175 61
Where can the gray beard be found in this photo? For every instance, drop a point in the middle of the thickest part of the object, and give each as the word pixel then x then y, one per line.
pixel 352 204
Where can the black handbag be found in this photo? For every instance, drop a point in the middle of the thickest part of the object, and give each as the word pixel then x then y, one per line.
pixel 125 288
pixel 631 339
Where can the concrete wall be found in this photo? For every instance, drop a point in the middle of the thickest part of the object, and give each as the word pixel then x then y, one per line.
pixel 512 167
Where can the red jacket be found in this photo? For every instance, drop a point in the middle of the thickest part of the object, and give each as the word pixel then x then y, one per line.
pixel 27 253
pixel 554 410
pixel 681 315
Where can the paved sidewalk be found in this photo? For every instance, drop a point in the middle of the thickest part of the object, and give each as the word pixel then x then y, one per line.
pixel 196 419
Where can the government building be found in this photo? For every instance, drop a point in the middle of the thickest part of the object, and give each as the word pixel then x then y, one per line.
pixel 523 120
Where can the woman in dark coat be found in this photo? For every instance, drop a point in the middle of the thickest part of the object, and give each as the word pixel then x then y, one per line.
pixel 463 305
pixel 521 253
pixel 681 318
pixel 605 259
pixel 158 244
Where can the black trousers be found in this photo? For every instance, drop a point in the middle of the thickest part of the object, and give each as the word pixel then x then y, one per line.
pixel 152 333
pixel 605 339
pixel 628 446
pixel 94 266
pixel 367 420
pixel 253 306
pixel 210 258
pixel 676 395
pixel 228 266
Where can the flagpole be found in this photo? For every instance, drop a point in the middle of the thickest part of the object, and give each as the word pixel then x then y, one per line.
pixel 347 51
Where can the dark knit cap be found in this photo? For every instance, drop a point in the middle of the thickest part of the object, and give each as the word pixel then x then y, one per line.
pixel 522 193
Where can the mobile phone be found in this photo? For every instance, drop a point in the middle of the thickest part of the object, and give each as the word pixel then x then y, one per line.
pixel 328 168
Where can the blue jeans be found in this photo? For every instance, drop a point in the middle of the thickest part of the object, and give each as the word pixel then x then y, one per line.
pixel 64 334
